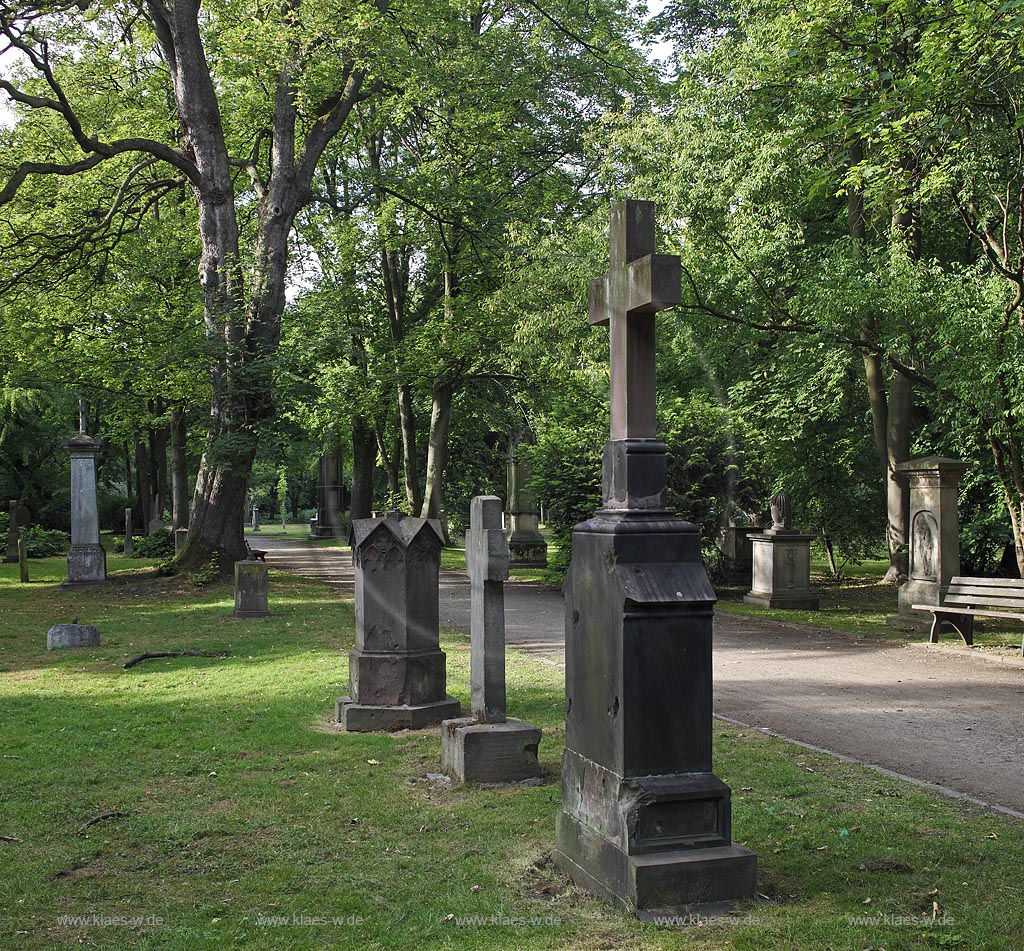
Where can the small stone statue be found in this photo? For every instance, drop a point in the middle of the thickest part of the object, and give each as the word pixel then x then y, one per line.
pixel 782 517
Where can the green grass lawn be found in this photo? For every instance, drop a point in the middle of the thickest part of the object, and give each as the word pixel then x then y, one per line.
pixel 236 802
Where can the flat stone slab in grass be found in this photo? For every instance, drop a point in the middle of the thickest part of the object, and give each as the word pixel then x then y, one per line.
pixel 72 635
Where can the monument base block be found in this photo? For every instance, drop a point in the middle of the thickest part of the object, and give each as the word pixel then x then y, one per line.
pixel 673 881
pixel 475 752
pixel 527 554
pixel 778 600
pixel 364 718
pixel 87 566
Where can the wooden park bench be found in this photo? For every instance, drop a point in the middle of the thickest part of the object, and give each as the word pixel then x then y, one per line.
pixel 255 554
pixel 967 598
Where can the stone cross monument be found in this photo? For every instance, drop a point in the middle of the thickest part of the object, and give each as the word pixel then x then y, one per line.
pixel 488 747
pixel 644 820
pixel 87 561
pixel 397 672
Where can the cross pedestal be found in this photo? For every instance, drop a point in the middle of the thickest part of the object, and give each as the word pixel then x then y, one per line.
pixel 644 820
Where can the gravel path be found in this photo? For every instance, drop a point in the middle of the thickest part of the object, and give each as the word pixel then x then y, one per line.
pixel 939 716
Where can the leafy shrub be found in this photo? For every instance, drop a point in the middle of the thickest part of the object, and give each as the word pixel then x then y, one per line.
pixel 5 523
pixel 158 544
pixel 45 543
pixel 209 572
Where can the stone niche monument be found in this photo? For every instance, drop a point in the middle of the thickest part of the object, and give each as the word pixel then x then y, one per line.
pixel 488 747
pixel 934 536
pixel 644 820
pixel 782 564
pixel 527 547
pixel 87 561
pixel 397 672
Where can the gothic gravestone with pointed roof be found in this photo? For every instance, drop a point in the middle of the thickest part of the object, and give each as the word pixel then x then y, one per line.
pixel 397 674
pixel 644 820
pixel 488 747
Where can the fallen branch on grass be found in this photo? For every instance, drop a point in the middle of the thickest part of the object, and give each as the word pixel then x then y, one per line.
pixel 100 818
pixel 155 654
pixel 10 838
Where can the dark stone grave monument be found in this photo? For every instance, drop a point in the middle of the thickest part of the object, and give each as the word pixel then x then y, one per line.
pixel 488 747
pixel 329 495
pixel 644 821
pixel 397 672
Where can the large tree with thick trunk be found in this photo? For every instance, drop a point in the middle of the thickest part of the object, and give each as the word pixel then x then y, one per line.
pixel 285 99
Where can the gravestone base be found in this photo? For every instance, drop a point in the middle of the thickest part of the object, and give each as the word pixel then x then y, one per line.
pixel 72 635
pixel 780 599
pixel 915 591
pixel 681 881
pixel 528 554
pixel 87 566
pixel 366 718
pixel 476 752
pixel 653 841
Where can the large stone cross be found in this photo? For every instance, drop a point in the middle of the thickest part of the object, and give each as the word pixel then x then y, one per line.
pixel 487 558
pixel 639 284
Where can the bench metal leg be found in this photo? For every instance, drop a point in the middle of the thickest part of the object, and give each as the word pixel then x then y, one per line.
pixel 963 624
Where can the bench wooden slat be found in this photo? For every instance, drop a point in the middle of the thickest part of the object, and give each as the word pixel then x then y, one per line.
pixel 990 582
pixel 969 599
pixel 943 609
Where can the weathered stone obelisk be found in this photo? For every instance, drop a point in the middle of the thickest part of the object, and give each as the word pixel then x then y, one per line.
pixel 527 547
pixel 644 820
pixel 87 561
pixel 488 747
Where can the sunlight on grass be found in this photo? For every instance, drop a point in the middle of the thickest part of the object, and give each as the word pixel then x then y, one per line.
pixel 230 797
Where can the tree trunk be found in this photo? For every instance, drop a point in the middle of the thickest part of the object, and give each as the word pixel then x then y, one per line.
pixel 437 451
pixel 364 458
pixel 127 470
pixel 1009 461
pixel 413 496
pixel 179 470
pixel 901 399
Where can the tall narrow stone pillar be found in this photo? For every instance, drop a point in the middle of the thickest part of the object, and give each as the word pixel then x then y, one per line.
pixel 129 541
pixel 13 532
pixel 527 547
pixel 87 561
pixel 644 821
pixel 934 536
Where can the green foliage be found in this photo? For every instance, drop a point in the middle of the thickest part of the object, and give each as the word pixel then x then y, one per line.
pixel 156 544
pixel 712 477
pixel 45 543
pixel 566 476
pixel 207 574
